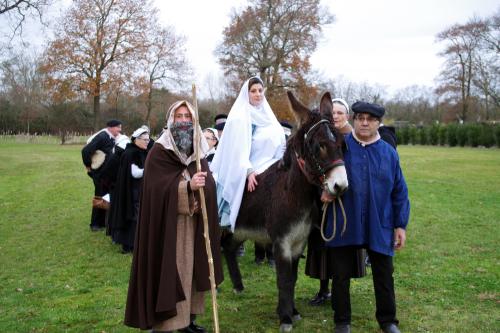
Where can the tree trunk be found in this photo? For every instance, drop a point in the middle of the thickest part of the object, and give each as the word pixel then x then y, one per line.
pixel 149 104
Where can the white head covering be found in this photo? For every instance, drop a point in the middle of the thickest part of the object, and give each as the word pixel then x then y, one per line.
pixel 122 140
pixel 140 131
pixel 214 132
pixel 343 102
pixel 253 139
pixel 167 140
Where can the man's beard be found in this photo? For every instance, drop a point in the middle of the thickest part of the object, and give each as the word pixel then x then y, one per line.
pixel 183 136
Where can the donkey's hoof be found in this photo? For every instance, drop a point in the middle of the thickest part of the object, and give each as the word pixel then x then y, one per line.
pixel 286 328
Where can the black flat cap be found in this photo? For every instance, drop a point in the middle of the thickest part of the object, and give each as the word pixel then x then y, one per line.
pixel 113 123
pixel 364 107
pixel 221 116
pixel 220 126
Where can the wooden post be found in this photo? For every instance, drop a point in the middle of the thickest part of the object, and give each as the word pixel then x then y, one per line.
pixel 197 136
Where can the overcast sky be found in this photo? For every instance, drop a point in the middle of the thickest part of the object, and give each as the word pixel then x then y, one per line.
pixel 388 42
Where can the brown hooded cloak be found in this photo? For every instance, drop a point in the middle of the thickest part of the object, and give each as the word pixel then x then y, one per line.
pixel 155 284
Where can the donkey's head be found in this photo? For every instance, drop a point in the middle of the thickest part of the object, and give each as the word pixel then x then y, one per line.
pixel 317 146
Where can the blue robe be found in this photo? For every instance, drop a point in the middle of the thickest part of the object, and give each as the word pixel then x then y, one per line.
pixel 376 201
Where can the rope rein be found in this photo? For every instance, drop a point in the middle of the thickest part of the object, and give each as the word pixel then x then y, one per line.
pixel 325 206
pixel 322 176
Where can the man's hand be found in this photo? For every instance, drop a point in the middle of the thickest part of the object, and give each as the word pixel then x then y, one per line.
pixel 252 182
pixel 399 238
pixel 198 180
pixel 88 168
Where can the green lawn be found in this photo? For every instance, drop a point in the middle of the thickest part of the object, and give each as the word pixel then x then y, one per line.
pixel 57 276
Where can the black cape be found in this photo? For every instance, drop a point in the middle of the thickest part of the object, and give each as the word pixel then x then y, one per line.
pixel 124 207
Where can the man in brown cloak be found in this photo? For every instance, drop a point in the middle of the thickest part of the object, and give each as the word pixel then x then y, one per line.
pixel 170 267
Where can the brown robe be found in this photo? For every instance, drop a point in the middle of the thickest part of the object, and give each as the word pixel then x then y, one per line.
pixel 155 285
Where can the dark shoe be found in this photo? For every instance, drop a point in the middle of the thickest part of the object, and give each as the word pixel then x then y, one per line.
pixel 391 328
pixel 95 228
pixel 127 249
pixel 342 328
pixel 320 299
pixel 193 328
pixel 259 261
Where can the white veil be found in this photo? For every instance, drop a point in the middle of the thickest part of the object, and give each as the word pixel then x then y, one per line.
pixel 252 139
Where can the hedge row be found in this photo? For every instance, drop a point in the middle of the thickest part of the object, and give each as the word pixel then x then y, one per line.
pixel 472 135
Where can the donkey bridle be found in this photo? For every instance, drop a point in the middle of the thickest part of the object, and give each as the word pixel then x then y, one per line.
pixel 320 170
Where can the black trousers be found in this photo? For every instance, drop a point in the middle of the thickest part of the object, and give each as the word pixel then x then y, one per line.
pixel 261 252
pixel 98 218
pixel 383 282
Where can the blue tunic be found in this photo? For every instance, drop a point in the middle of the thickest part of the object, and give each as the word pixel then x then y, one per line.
pixel 376 201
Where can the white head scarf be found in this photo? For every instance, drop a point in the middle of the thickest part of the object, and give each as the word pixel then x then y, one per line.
pixel 122 140
pixel 252 140
pixel 140 131
pixel 341 102
pixel 167 140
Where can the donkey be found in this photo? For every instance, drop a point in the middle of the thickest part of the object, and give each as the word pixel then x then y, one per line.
pixel 281 209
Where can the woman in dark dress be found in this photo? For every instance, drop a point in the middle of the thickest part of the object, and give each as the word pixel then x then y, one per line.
pixel 318 262
pixel 125 200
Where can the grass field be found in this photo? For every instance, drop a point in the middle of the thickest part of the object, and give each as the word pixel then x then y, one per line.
pixel 57 276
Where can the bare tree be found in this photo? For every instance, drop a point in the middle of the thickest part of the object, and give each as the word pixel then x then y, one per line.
pixel 164 61
pixel 17 11
pixel 487 65
pixel 462 48
pixel 93 35
pixel 22 85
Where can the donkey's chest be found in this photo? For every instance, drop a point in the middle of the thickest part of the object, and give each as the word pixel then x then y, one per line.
pixel 292 242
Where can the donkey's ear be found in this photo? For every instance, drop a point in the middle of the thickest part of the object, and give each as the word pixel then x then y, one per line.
pixel 299 110
pixel 286 160
pixel 326 106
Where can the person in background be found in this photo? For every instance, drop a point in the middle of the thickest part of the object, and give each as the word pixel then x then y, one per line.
pixel 388 134
pixel 170 273
pixel 318 260
pixel 220 118
pixel 124 208
pixel 110 173
pixel 220 121
pixel 101 143
pixel 212 137
pixel 377 210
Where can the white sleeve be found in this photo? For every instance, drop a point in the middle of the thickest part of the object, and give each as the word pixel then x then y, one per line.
pixel 136 171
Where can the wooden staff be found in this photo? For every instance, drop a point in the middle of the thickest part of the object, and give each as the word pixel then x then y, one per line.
pixel 197 135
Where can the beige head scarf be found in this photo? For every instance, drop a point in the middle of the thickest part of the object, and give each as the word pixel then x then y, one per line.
pixel 199 141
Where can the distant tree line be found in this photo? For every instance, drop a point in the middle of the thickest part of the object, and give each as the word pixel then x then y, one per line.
pixel 452 134
pixel 113 59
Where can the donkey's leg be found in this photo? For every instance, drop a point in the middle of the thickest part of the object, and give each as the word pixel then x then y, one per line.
pixel 295 267
pixel 230 246
pixel 285 281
